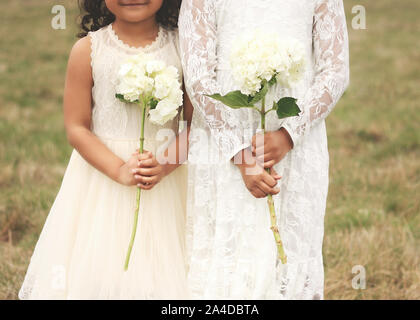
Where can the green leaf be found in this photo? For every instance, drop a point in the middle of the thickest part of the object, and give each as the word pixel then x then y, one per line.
pixel 234 99
pixel 153 103
pixel 260 94
pixel 120 97
pixel 273 81
pixel 287 107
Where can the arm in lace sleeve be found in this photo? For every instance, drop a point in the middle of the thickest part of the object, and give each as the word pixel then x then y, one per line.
pixel 197 33
pixel 330 45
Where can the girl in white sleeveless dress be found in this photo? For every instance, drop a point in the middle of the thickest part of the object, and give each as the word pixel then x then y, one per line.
pixel 82 248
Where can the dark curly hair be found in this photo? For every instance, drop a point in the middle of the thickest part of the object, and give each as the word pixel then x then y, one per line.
pixel 95 15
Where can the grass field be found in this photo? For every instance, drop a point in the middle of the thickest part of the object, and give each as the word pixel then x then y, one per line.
pixel 373 209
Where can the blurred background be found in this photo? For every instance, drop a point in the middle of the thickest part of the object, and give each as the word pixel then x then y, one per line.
pixel 372 217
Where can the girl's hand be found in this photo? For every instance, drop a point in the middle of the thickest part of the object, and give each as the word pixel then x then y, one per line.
pixel 271 148
pixel 127 170
pixel 149 171
pixel 258 181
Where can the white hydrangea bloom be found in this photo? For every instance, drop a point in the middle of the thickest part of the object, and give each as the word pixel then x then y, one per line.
pixel 141 76
pixel 294 65
pixel 165 110
pixel 163 85
pixel 261 56
pixel 155 66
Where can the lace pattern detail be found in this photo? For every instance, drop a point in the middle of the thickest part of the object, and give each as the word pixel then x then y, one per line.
pixel 331 54
pixel 158 43
pixel 198 45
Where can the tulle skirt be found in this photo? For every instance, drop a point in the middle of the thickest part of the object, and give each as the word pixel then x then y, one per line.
pixel 81 251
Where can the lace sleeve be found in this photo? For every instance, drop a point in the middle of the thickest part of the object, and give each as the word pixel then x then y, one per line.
pixel 330 45
pixel 197 33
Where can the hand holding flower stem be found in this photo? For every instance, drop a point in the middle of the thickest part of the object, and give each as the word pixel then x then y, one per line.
pixel 259 61
pixel 285 107
pixel 156 88
pixel 144 104
pixel 280 249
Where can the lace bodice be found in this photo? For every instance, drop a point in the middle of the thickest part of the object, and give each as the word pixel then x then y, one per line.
pixel 112 119
pixel 231 251
pixel 209 27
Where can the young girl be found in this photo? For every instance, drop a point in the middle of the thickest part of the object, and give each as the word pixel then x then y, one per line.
pixel 81 251
pixel 232 249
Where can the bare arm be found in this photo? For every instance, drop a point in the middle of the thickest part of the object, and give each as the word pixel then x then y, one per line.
pixel 180 145
pixel 77 116
pixel 152 170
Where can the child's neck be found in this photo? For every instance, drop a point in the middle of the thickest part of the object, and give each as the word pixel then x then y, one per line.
pixel 138 34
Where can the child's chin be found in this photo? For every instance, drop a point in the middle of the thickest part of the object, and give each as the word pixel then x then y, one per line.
pixel 136 15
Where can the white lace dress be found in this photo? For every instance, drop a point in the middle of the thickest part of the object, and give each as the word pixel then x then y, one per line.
pixel 81 251
pixel 231 249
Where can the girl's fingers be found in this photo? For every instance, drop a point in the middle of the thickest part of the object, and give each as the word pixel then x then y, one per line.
pixel 274 174
pixel 145 180
pixel 262 150
pixel 268 189
pixel 257 140
pixel 146 163
pixel 148 154
pixel 270 181
pixel 265 158
pixel 144 151
pixel 149 163
pixel 264 188
pixel 259 151
pixel 253 143
pixel 143 156
pixel 145 186
pixel 258 193
pixel 269 164
pixel 147 172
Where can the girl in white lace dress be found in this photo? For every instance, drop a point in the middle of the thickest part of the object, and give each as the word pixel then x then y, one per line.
pixel 81 251
pixel 231 248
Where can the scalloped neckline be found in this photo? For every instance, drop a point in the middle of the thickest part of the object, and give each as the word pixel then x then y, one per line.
pixel 150 47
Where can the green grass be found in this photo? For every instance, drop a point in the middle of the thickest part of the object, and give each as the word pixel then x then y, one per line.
pixel 373 207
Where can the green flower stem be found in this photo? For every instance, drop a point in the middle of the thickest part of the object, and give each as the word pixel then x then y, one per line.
pixel 136 213
pixel 270 201
pixel 268 111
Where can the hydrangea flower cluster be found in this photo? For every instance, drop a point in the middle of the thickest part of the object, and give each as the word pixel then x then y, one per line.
pixel 143 79
pixel 262 56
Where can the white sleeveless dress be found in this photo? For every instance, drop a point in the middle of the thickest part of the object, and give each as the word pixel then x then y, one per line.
pixel 81 251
